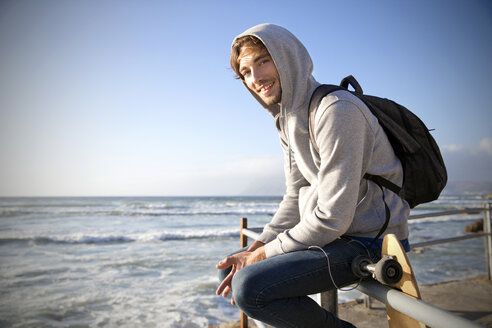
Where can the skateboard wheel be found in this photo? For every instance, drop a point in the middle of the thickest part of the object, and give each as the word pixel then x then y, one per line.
pixel 359 266
pixel 388 271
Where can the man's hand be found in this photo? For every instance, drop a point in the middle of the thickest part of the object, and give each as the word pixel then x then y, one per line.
pixel 256 244
pixel 238 261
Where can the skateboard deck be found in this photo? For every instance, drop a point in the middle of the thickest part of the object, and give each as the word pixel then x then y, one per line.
pixel 407 284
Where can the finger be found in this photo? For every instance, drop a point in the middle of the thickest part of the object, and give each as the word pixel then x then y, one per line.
pixel 226 291
pixel 232 300
pixel 226 282
pixel 225 263
pixel 222 286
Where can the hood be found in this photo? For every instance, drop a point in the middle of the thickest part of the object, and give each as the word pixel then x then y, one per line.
pixel 293 63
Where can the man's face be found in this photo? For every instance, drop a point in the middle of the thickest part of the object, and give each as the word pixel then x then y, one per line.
pixel 260 75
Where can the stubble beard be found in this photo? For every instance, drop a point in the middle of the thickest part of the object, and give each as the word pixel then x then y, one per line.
pixel 275 100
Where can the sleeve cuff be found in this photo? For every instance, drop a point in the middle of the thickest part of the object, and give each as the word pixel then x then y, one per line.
pixel 267 236
pixel 273 248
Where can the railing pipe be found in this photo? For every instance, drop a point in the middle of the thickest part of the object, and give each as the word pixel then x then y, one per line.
pixel 444 213
pixel 448 240
pixel 417 309
pixel 249 233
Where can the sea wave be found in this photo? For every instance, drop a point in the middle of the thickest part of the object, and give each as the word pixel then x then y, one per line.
pixel 124 238
pixel 446 218
pixel 170 211
pixel 430 207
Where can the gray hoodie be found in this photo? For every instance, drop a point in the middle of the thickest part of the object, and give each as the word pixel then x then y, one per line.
pixel 326 195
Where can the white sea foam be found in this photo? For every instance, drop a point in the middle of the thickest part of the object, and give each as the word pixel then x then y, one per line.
pixel 104 238
pixel 140 211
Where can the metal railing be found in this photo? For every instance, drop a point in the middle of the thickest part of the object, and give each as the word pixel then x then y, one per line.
pixel 426 313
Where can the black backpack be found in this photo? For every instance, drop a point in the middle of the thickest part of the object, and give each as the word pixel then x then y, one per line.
pixel 424 172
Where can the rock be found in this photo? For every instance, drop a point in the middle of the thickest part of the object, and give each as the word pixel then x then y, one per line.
pixel 420 250
pixel 475 226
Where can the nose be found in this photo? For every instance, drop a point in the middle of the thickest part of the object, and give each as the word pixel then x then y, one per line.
pixel 256 75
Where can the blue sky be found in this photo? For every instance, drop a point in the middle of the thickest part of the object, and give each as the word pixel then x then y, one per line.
pixel 115 98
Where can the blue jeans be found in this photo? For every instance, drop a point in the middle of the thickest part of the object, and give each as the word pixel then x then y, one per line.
pixel 275 290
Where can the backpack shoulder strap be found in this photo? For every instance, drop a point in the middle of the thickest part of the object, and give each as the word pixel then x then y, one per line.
pixel 316 98
pixel 382 182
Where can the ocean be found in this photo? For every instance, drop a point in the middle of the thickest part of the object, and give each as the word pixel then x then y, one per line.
pixel 150 262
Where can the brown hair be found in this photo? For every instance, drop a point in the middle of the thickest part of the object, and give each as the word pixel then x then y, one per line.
pixel 247 41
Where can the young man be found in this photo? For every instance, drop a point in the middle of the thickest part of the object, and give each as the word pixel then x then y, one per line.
pixel 329 213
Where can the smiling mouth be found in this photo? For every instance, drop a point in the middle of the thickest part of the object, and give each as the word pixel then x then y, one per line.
pixel 266 88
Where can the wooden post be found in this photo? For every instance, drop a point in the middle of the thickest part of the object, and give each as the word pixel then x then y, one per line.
pixel 488 239
pixel 244 238
pixel 244 243
pixel 329 301
pixel 368 301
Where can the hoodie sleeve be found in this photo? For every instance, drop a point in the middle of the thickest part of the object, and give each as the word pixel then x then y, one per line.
pixel 345 139
pixel 287 215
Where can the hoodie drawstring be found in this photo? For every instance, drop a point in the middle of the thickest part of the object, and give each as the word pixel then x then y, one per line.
pixel 286 130
pixel 290 158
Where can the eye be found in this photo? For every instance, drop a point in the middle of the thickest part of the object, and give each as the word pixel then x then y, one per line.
pixel 246 73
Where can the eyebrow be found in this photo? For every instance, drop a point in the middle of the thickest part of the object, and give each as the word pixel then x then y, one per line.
pixel 257 59
pixel 261 57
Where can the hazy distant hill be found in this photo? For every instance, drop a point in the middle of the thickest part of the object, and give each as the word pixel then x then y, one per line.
pixel 267 188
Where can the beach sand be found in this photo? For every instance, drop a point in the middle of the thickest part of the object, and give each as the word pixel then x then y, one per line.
pixel 469 298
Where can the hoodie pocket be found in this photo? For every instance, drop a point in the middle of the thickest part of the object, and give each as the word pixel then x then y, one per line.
pixel 370 214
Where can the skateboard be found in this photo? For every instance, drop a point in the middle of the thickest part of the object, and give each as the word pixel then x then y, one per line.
pixel 407 284
pixel 395 271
